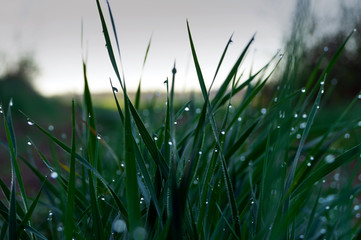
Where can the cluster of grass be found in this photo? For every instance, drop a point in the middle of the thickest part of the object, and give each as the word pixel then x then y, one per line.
pixel 225 170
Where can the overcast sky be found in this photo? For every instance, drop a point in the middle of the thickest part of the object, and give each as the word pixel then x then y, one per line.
pixel 51 31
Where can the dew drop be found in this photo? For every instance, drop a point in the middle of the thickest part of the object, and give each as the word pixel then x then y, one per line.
pixel 309 164
pixel 170 143
pixel 346 136
pixel 263 111
pixel 198 110
pixel 325 49
pixel 296 115
pixel 11 103
pixel 29 143
pixel 102 197
pixel 119 226
pixel 54 175
pixel 281 55
pixel 206 202
pixel 327 207
pixel 30 123
pixel 323 181
pixel 186 109
pixel 358 215
pixel 359 96
pixel 312 158
pixel 355 30
pixel 322 91
pixel 223 132
pixel 1 109
pixel 60 227
pixel 155 138
pixel 359 124
pixel 304 115
pixel 322 83
pixel 51 128
pixel 200 152
pixel 302 236
pixel 230 106
pixel 298 136
pixel 115 90
pixel 275 99
pixel 175 123
pixel 330 158
pixel 240 119
pixel 99 137
pixel 303 90
pixel 215 150
pixel 303 125
pixel 323 231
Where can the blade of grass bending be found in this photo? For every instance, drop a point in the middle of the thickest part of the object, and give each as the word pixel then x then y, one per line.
pixel 231 74
pixel 131 183
pixel 12 202
pixel 114 90
pixel 229 187
pixel 325 169
pixel 108 43
pixel 14 157
pixel 137 96
pixel 69 215
pixel 303 139
pixel 29 213
pixel 149 143
pixel 220 61
pixel 84 162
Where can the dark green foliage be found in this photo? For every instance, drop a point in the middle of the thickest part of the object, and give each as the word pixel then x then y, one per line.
pixel 230 167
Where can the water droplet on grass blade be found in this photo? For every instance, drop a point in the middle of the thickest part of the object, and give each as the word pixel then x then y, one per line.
pixel 223 132
pixel 119 226
pixel 330 158
pixel 263 111
pixel 29 143
pixel 346 136
pixel 359 124
pixel 304 115
pixel 99 137
pixel 303 90
pixel 359 96
pixel 303 125
pixel 175 123
pixel 115 90
pixel 296 115
pixel 322 83
pixel 54 175
pixel 186 109
pixel 309 164
pixel 239 119
pixel 51 128
pixel 30 123
pixel 298 136
pixel 325 49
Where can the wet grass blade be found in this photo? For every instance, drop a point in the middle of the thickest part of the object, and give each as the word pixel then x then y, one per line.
pixel 229 187
pixel 138 94
pixel 12 215
pixel 69 215
pixel 132 194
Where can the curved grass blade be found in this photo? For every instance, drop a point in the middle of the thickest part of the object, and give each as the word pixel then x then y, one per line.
pixel 85 163
pixel 30 212
pixel 229 187
pixel 138 94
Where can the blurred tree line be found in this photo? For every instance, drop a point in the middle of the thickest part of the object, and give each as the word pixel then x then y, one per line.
pixel 312 36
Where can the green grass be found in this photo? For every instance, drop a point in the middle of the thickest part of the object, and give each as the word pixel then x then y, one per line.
pixel 224 168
